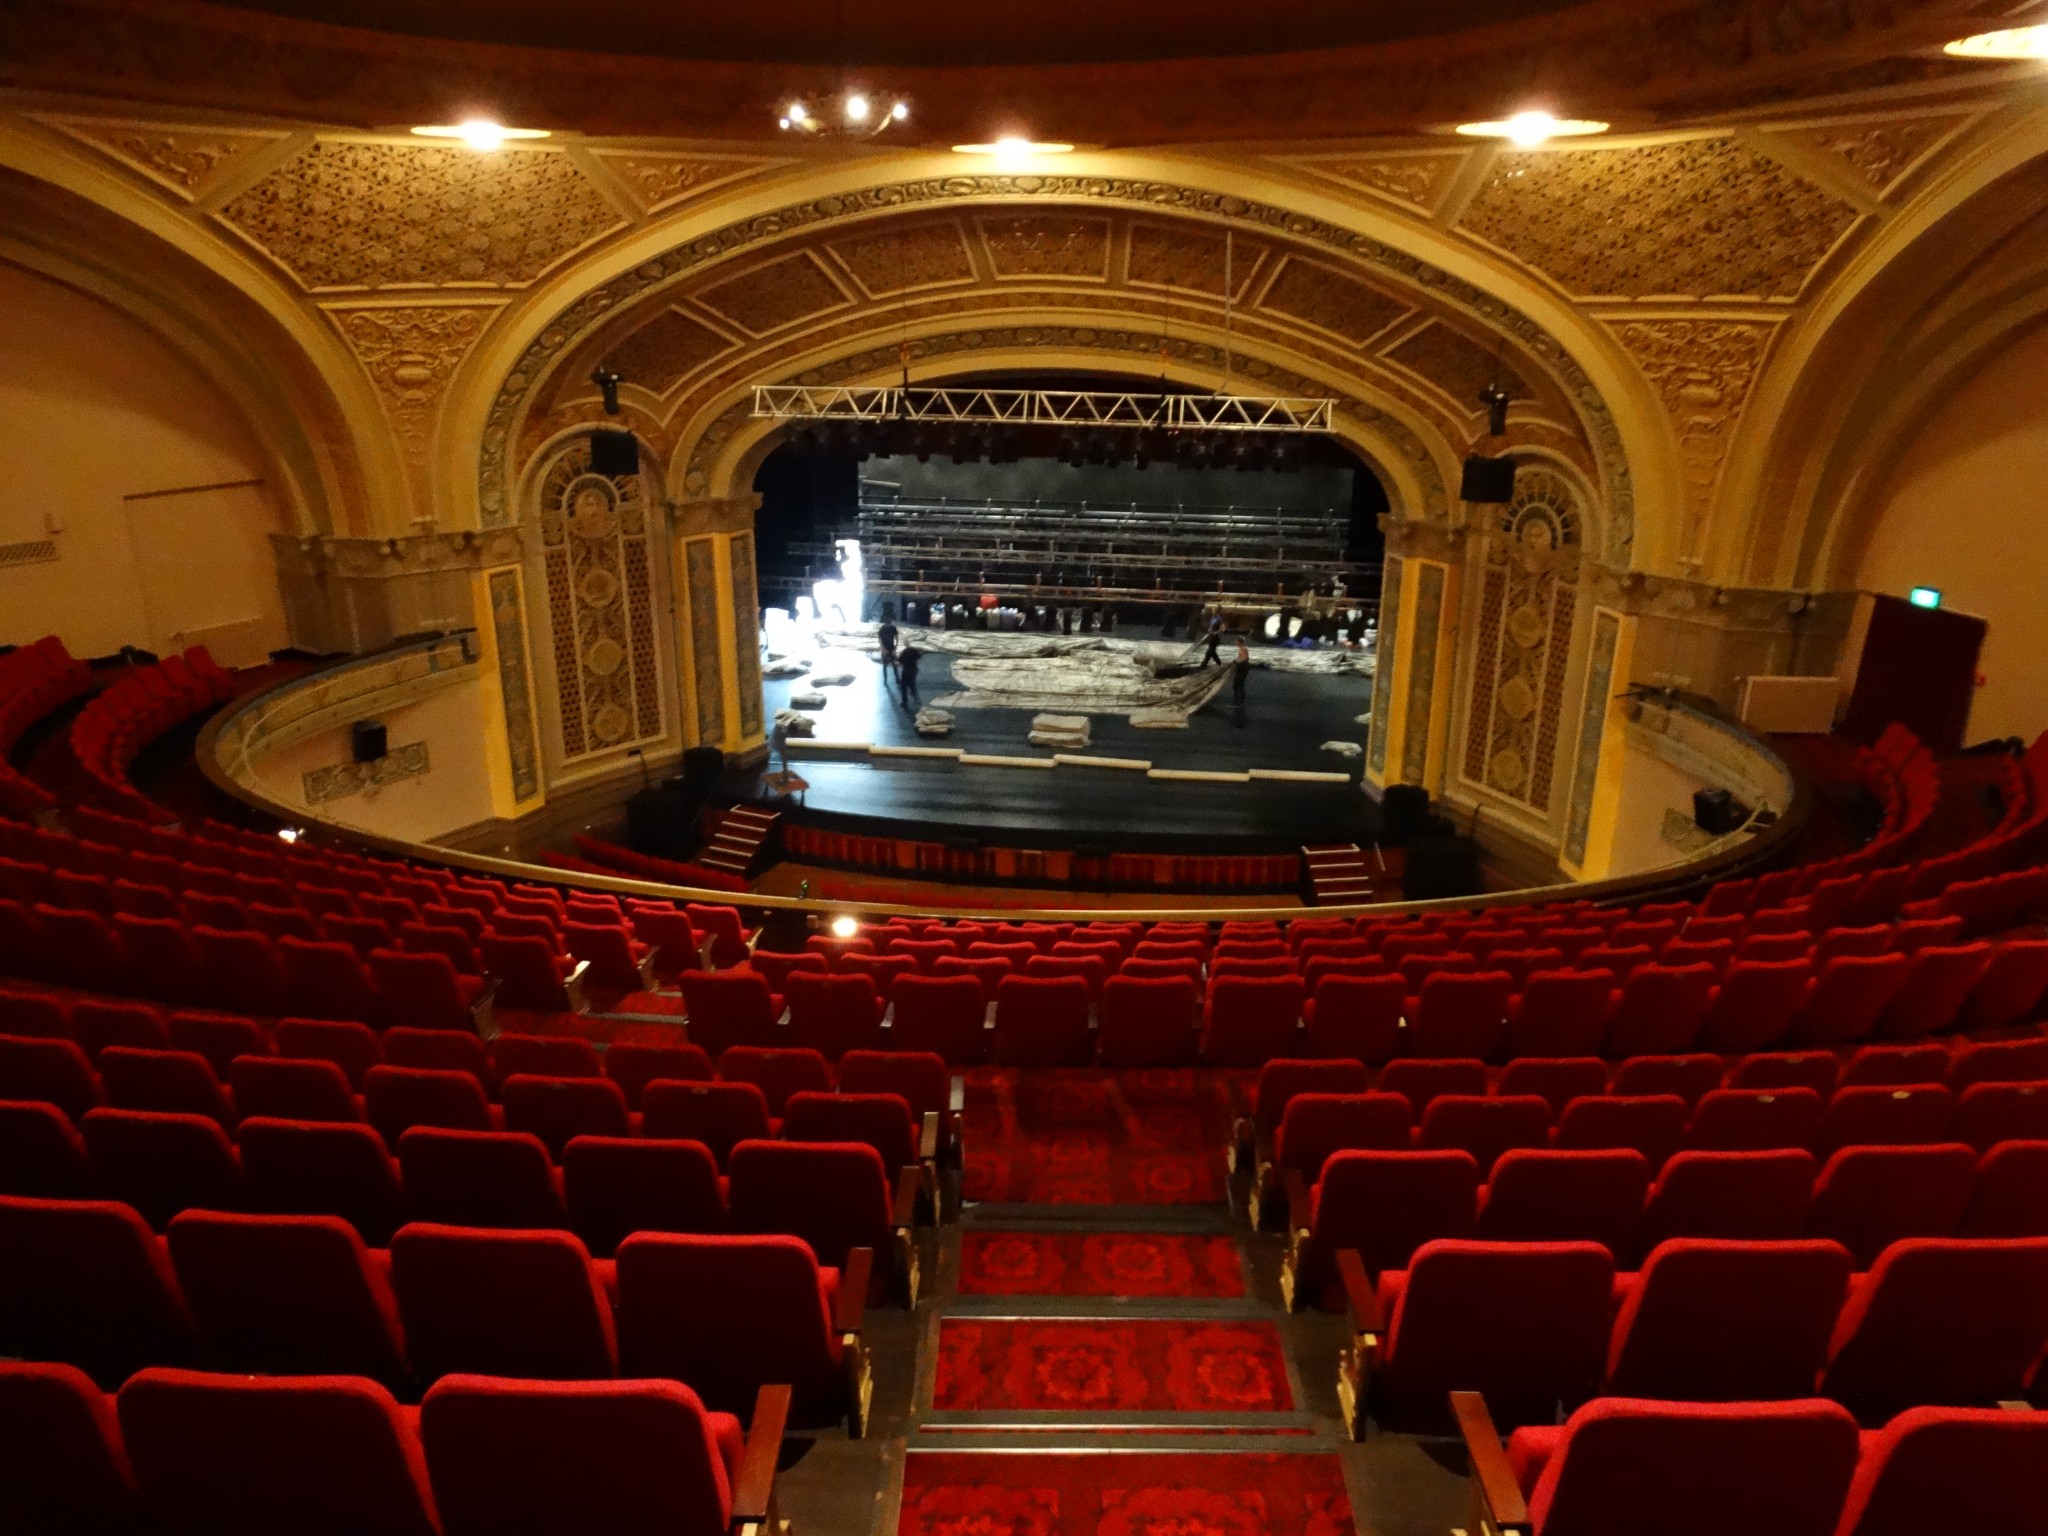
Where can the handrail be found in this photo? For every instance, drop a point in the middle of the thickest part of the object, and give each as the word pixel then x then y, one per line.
pixel 1666 881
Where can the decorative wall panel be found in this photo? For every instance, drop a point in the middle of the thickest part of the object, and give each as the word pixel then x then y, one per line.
pixel 182 157
pixel 1458 365
pixel 508 628
pixel 1592 726
pixel 1331 301
pixel 778 294
pixel 666 350
pixel 1522 648
pixel 661 181
pixel 1429 607
pixel 746 633
pixel 342 215
pixel 1419 180
pixel 1699 218
pixel 1881 152
pixel 707 671
pixel 1383 670
pixel 917 256
pixel 1040 245
pixel 341 780
pixel 1168 256
pixel 594 533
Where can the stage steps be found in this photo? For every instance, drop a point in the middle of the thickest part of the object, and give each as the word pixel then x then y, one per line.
pixel 1341 872
pixel 737 842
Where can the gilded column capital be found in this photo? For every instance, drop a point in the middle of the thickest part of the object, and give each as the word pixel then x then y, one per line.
pixel 714 514
pixel 413 555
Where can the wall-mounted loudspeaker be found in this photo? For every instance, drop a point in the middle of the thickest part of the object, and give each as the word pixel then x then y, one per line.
pixel 614 453
pixel 367 740
pixel 1488 479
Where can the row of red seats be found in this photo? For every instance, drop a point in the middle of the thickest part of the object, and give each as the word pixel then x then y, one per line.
pixel 1541 1326
pixel 175 1449
pixel 1620 1466
pixel 136 708
pixel 34 680
pixel 1864 1197
pixel 725 1314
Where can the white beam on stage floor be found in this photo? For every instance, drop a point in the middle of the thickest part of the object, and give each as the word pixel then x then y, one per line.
pixel 1046 408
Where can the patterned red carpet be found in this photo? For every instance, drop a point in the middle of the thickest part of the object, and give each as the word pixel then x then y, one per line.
pixel 1098 1264
pixel 1097 1364
pixel 977 1494
pixel 1096 1138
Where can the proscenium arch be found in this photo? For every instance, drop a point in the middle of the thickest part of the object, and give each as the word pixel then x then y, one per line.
pixel 1642 477
pixel 282 361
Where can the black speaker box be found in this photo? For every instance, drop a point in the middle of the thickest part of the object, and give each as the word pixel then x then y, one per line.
pixel 703 771
pixel 1405 811
pixel 368 740
pixel 1488 480
pixel 614 453
pixel 1717 811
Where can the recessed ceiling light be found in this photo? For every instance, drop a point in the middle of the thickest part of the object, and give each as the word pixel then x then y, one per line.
pixel 2012 43
pixel 1528 129
pixel 480 133
pixel 1013 153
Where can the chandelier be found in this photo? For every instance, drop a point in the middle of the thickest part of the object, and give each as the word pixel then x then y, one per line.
pixel 852 113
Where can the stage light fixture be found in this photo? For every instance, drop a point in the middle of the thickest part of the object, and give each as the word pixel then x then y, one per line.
pixel 479 133
pixel 1526 130
pixel 845 927
pixel 852 114
pixel 2011 43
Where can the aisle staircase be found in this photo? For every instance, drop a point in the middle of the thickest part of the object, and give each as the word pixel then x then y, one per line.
pixel 1342 872
pixel 737 842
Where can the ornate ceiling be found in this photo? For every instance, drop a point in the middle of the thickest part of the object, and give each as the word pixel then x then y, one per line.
pixel 1140 72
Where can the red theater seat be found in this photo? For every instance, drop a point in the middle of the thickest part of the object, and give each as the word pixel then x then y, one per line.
pixel 1868 1197
pixel 87 1283
pixel 1485 1126
pixel 2011 1195
pixel 1042 1021
pixel 545 1056
pixel 1955 1469
pixel 501 1303
pixel 395 1099
pixel 1461 1016
pixel 1536 1196
pixel 836 1196
pixel 1690 1077
pixel 1148 1022
pixel 301 1167
pixel 834 1014
pixel 1989 1113
pixel 41 1152
pixel 558 1108
pixel 1754 1196
pixel 479 1179
pixel 49 1072
pixel 163 1163
pixel 1383 1204
pixel 1712 1320
pixel 633 1065
pixel 728 1008
pixel 63 1468
pixel 1754 1005
pixel 1556 1080
pixel 280 1295
pixel 285 1088
pixel 616 1186
pixel 1561 1013
pixel 1660 1010
pixel 1420 1082
pixel 1250 1020
pixel 1356 1016
pixel 1652 1124
pixel 720 1115
pixel 777 1072
pixel 351 1046
pixel 281 1453
pixel 1755 1120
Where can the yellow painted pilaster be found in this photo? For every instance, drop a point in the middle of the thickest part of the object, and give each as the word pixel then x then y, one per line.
pixel 1588 849
pixel 511 742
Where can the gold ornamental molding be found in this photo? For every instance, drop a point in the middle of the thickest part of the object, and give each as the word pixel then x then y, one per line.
pixel 571 326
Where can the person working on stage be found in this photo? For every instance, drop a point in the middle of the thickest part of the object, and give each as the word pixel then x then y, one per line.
pixel 1240 669
pixel 1209 657
pixel 886 638
pixel 906 670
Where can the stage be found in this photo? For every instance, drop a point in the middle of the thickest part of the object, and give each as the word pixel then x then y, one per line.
pixel 1286 718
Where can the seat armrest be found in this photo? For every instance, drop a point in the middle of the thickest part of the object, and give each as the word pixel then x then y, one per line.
pixel 705 944
pixel 928 1136
pixel 1359 1295
pixel 850 1307
pixel 573 985
pixel 646 968
pixel 909 1180
pixel 1498 1508
pixel 1299 1202
pixel 753 1493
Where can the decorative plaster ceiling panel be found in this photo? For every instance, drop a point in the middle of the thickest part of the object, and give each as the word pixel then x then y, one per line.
pixel 666 350
pixel 182 157
pixel 1418 180
pixel 348 215
pixel 1040 245
pixel 1698 218
pixel 661 181
pixel 1170 256
pixel 778 294
pixel 1881 152
pixel 411 352
pixel 914 256
pixel 1458 365
pixel 1331 301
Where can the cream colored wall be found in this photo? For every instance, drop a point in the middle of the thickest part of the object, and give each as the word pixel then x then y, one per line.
pixel 1650 786
pixel 101 418
pixel 453 793
pixel 1967 511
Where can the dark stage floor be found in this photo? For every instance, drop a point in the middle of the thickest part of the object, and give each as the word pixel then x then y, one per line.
pixel 1287 717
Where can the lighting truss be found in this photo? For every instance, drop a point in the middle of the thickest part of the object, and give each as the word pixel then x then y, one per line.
pixel 1045 408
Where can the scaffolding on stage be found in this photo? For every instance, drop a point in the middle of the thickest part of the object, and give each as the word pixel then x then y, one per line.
pixel 1045 408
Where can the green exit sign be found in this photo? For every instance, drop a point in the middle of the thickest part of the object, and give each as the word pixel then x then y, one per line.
pixel 1925 597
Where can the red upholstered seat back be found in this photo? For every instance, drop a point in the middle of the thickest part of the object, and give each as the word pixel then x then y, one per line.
pixel 1537 1195
pixel 1318 1125
pixel 501 1303
pixel 62 1464
pixel 618 1185
pixel 89 1283
pixel 479 1178
pixel 1975 1469
pixel 314 1168
pixel 1754 1195
pixel 833 1195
